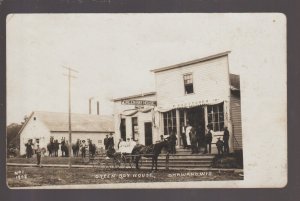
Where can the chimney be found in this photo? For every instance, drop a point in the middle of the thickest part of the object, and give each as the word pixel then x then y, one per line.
pixel 97 107
pixel 90 105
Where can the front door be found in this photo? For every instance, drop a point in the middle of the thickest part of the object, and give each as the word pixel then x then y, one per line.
pixel 123 129
pixel 148 133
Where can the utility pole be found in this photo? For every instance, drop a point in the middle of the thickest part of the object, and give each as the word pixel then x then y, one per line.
pixel 69 75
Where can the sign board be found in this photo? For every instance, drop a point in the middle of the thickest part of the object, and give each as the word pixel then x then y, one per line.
pixel 138 102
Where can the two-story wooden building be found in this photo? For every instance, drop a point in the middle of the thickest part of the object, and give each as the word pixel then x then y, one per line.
pixel 200 92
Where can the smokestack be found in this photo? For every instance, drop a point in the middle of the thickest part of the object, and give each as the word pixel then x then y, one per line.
pixel 90 109
pixel 97 107
pixel 90 105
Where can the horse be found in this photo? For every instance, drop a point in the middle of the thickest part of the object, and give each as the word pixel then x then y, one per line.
pixel 92 148
pixel 56 148
pixel 64 149
pixel 151 151
pixel 75 148
pixel 50 147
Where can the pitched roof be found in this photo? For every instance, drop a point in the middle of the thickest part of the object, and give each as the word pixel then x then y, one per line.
pixel 56 121
pixel 190 62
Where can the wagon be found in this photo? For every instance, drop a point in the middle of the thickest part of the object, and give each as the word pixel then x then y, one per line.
pixel 119 160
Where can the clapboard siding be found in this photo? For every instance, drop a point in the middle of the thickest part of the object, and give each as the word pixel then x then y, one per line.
pixel 235 104
pixel 210 81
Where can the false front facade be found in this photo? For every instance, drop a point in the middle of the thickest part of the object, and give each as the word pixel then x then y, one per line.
pixel 196 93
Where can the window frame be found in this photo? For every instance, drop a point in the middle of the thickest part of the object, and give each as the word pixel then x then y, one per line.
pixel 217 119
pixel 169 121
pixel 192 83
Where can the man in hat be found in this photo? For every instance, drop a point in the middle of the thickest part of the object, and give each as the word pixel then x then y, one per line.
pixel 226 139
pixel 172 140
pixel 106 142
pixel 219 145
pixel 193 138
pixel 111 142
pixel 83 148
pixel 208 139
pixel 29 150
pixel 38 152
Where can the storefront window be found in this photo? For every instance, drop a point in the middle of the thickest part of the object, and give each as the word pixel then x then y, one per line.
pixel 216 116
pixel 169 122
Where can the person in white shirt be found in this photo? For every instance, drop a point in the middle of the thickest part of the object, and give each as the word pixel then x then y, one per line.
pixel 187 132
pixel 83 148
pixel 122 146
pixel 132 144
pixel 127 146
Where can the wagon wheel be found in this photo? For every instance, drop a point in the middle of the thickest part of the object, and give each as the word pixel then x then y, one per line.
pixel 116 162
pixel 128 161
pixel 86 160
pixel 100 164
pixel 106 163
pixel 123 162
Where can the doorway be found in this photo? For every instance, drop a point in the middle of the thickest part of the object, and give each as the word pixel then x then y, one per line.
pixel 195 117
pixel 123 129
pixel 148 133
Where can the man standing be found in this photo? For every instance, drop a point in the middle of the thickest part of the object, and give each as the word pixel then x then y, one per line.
pixel 111 140
pixel 106 142
pixel 173 139
pixel 28 146
pixel 183 137
pixel 219 145
pixel 199 133
pixel 193 138
pixel 226 139
pixel 208 139
pixel 38 152
pixel 83 148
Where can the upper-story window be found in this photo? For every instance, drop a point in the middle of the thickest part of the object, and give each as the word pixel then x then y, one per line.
pixel 188 83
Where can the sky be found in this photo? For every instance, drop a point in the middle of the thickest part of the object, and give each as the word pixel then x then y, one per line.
pixel 114 53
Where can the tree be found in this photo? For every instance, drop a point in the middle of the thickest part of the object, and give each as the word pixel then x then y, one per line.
pixel 12 134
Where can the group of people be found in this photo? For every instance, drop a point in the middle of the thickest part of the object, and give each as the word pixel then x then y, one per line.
pixel 194 138
pixel 34 148
pixel 109 141
pixel 223 146
pixel 126 146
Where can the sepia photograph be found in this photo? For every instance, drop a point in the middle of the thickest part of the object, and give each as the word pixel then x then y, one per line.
pixel 146 100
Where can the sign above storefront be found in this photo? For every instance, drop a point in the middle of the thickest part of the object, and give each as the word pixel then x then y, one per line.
pixel 138 102
pixel 197 103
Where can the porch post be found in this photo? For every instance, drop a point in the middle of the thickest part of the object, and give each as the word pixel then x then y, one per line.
pixel 178 128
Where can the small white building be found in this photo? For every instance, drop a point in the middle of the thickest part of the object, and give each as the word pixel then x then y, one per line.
pixel 43 125
pixel 200 92
pixel 134 118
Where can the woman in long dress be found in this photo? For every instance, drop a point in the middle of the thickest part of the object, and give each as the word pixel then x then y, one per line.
pixel 187 132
